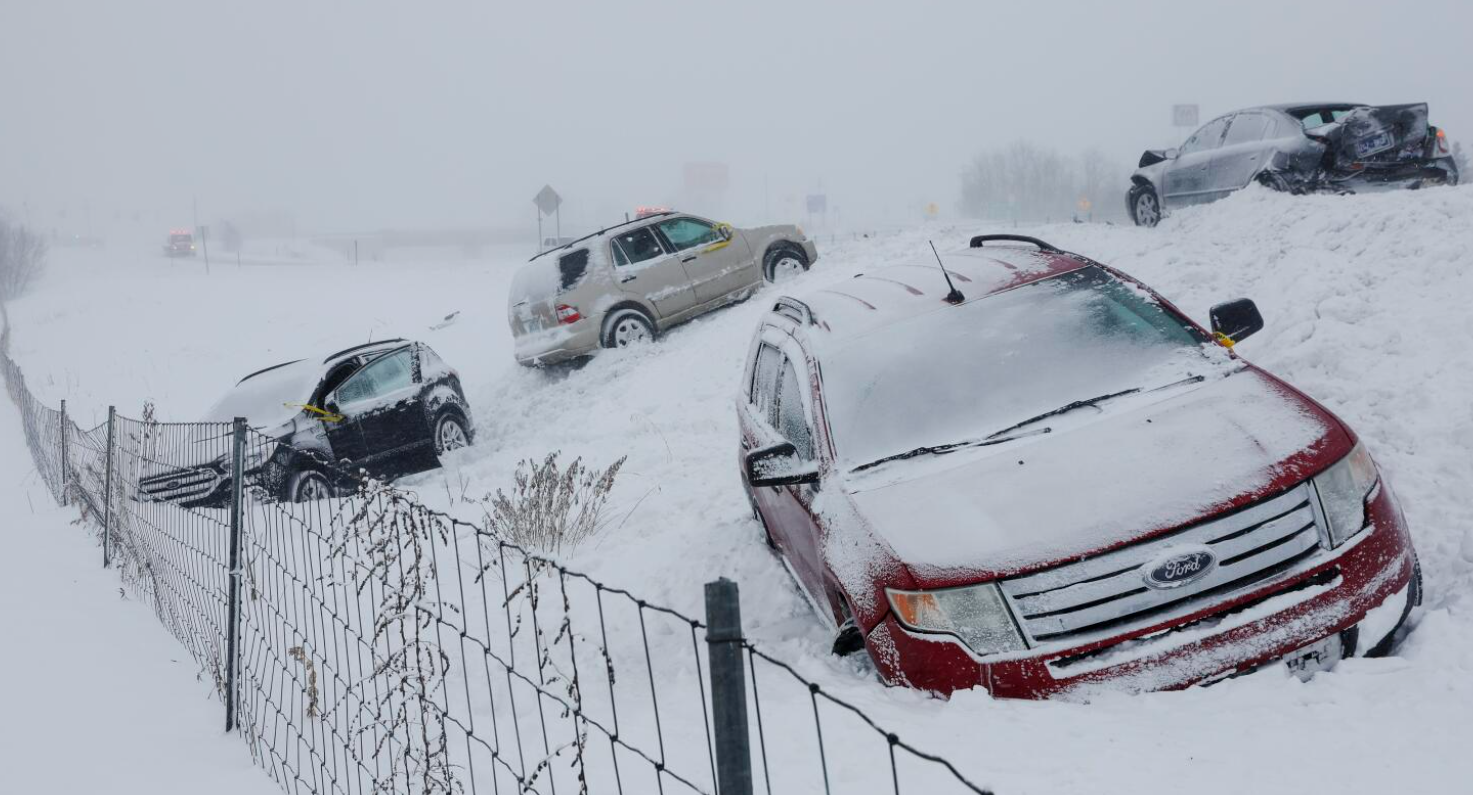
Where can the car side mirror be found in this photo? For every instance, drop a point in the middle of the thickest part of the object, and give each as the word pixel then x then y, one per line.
pixel 779 465
pixel 724 230
pixel 1172 153
pixel 1236 321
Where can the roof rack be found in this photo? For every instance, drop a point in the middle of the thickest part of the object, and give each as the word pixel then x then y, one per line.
pixel 601 231
pixel 980 239
pixel 266 370
pixel 346 351
pixel 794 310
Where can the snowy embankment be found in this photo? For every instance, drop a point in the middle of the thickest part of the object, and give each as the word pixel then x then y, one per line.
pixel 1365 301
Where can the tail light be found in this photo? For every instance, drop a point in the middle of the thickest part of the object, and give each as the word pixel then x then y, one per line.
pixel 1442 140
pixel 568 314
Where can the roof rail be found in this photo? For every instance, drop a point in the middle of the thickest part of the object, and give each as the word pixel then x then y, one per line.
pixel 361 347
pixel 980 239
pixel 601 231
pixel 267 370
pixel 794 310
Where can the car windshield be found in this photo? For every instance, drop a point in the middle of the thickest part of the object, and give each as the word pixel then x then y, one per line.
pixel 962 373
pixel 1320 118
pixel 262 398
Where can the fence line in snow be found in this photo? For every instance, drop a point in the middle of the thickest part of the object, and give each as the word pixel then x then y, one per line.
pixel 369 644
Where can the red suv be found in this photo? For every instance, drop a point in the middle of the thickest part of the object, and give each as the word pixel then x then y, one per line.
pixel 1020 469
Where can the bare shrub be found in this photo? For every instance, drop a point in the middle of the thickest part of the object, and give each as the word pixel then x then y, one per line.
pixel 552 509
pixel 22 258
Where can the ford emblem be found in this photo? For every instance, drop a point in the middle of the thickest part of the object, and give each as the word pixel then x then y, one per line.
pixel 1180 569
pixel 173 484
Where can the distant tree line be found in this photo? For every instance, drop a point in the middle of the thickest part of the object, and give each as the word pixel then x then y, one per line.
pixel 22 258
pixel 1026 182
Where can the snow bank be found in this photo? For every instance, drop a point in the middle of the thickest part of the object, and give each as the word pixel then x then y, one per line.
pixel 1365 300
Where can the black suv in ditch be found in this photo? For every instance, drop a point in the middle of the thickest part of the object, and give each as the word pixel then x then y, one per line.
pixel 389 408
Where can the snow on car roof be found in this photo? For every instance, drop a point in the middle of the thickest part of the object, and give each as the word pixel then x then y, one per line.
pixel 880 297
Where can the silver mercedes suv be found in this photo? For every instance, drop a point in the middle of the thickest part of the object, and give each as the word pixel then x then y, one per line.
pixel 627 284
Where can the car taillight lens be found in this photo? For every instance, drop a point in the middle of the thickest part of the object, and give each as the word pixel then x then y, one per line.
pixel 1442 140
pixel 568 314
pixel 1343 490
pixel 975 614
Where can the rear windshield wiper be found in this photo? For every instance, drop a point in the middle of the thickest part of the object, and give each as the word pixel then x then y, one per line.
pixel 942 449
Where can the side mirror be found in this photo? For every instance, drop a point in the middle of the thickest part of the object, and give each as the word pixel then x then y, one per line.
pixel 1236 321
pixel 724 230
pixel 779 465
pixel 1172 153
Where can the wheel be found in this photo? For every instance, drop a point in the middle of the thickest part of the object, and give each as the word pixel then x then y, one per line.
pixel 450 433
pixel 1274 181
pixel 783 263
pixel 307 485
pixel 1145 207
pixel 626 328
pixel 1414 598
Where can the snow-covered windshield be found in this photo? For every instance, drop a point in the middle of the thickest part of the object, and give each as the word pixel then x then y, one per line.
pixel 262 398
pixel 961 373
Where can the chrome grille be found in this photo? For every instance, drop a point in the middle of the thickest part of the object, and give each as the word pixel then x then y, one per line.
pixel 180 485
pixel 1107 594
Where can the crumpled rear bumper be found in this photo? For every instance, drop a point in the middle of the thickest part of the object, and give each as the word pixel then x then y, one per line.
pixel 1338 593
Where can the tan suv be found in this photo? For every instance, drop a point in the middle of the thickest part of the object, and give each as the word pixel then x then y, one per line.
pixel 628 283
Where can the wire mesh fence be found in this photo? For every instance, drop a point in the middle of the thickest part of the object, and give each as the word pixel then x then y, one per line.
pixel 362 642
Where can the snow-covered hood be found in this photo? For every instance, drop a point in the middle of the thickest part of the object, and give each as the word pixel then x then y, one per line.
pixel 1131 471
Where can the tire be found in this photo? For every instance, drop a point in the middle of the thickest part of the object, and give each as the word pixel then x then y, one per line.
pixel 1273 180
pixel 626 328
pixel 1145 206
pixel 1414 598
pixel 783 263
pixel 451 433
pixel 307 485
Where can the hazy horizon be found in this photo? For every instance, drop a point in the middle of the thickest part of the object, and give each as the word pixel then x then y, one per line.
pixel 370 115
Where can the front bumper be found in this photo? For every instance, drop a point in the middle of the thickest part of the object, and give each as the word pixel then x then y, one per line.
pixel 1338 592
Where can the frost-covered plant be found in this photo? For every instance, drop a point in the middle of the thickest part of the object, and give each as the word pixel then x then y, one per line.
pixel 551 509
pixel 22 258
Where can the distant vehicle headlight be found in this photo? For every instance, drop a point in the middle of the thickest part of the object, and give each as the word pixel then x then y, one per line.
pixel 976 614
pixel 1343 490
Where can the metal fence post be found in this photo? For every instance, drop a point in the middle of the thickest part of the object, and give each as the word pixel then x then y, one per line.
pixel 728 688
pixel 65 477
pixel 107 490
pixel 232 617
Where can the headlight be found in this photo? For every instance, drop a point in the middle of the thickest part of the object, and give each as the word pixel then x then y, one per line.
pixel 1343 490
pixel 254 455
pixel 976 614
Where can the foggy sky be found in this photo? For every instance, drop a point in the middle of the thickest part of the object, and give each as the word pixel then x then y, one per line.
pixel 367 114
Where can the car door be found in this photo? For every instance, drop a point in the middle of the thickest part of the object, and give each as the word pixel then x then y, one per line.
pixel 717 263
pixel 381 403
pixel 1187 177
pixel 1243 153
pixel 783 408
pixel 647 270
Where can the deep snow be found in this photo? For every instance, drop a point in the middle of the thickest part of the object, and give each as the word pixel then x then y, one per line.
pixel 1365 300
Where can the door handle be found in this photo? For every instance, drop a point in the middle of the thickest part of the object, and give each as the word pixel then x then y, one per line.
pixel 627 279
pixel 688 259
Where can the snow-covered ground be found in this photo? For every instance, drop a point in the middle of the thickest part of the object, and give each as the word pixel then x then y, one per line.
pixel 96 697
pixel 1366 303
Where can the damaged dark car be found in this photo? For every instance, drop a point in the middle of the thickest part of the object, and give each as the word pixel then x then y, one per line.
pixel 384 409
pixel 1330 147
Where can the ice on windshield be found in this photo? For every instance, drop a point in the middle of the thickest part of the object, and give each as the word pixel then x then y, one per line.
pixel 262 398
pixel 961 373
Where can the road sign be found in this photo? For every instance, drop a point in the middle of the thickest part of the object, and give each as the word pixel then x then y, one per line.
pixel 1184 115
pixel 547 200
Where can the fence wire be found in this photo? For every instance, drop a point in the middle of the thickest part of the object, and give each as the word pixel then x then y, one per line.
pixel 365 643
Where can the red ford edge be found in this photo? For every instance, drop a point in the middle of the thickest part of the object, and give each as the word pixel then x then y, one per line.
pixel 1022 470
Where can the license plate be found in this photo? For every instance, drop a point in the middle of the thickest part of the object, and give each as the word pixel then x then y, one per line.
pixel 1315 657
pixel 1373 144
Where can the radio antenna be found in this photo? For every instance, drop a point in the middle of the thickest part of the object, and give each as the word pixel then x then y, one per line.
pixel 955 296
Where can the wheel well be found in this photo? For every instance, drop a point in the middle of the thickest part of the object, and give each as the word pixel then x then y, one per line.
pixel 454 408
pixel 621 307
pixel 784 245
pixel 1141 182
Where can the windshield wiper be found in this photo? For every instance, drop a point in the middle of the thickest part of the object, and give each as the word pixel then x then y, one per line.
pixel 942 449
pixel 1065 409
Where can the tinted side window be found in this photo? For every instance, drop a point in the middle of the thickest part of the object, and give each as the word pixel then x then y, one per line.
pixel 1206 138
pixel 764 383
pixel 684 233
pixel 381 377
pixel 636 245
pixel 792 423
pixel 572 267
pixel 1247 128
